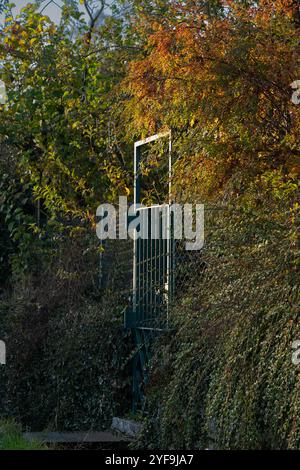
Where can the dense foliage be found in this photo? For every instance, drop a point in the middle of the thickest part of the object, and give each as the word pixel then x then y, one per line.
pixel 218 73
pixel 226 379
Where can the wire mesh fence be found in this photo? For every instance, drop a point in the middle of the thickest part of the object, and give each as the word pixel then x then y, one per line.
pixel 152 272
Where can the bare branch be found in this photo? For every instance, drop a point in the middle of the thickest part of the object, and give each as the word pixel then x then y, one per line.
pixel 93 20
pixel 94 16
pixel 49 3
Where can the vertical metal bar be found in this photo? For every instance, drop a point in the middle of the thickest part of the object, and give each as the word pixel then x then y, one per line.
pixel 169 236
pixel 173 257
pixel 154 269
pixel 165 274
pixel 152 280
pixel 149 306
pixel 157 306
pixel 142 303
pixel 142 278
pixel 160 282
pixel 137 189
pixel 139 280
pixel 170 241
pixel 147 252
pixel 170 168
pixel 144 275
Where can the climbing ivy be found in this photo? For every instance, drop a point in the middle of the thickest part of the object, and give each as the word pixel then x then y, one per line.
pixel 226 379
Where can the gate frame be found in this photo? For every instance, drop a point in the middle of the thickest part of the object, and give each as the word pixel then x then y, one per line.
pixel 137 199
pixel 142 336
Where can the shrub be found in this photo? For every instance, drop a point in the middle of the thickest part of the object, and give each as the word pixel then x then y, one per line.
pixel 226 378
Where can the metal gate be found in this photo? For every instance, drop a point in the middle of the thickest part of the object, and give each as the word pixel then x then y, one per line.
pixel 153 268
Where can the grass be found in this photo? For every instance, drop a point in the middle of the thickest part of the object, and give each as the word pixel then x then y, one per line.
pixel 11 438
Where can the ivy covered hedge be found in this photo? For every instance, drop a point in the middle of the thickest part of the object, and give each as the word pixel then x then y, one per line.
pixel 68 355
pixel 226 379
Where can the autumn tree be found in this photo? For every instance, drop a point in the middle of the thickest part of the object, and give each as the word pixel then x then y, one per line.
pixel 219 74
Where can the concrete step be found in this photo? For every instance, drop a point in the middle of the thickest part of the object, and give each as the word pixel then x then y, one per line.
pixel 75 437
pixel 127 427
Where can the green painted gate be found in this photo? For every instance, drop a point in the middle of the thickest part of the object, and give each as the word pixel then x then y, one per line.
pixel 153 278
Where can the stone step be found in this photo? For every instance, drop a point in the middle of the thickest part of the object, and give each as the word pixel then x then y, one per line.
pixel 126 426
pixel 75 437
